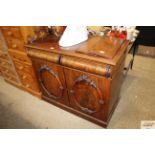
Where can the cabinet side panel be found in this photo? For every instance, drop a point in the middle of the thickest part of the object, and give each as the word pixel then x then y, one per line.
pixel 115 87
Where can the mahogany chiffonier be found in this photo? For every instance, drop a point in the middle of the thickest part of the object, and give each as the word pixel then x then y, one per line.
pixel 6 65
pixel 84 79
pixel 16 37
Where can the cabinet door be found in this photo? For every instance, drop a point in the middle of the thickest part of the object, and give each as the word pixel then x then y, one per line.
pixel 51 81
pixel 87 93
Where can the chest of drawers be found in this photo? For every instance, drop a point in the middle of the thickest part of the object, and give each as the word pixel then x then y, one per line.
pixel 16 37
pixel 6 65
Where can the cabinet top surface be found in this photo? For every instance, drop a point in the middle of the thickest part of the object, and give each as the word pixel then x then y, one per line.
pixel 100 49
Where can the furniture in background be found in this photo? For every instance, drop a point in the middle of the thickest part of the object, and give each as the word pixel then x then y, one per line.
pixel 84 79
pixel 16 37
pixel 7 67
pixel 145 37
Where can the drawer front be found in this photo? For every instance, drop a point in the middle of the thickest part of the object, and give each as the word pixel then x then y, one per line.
pixel 10 72
pixel 11 78
pixel 12 32
pixel 28 81
pixel 23 67
pixel 5 64
pixel 20 56
pixel 4 56
pixel 87 66
pixel 40 54
pixel 8 27
pixel 16 44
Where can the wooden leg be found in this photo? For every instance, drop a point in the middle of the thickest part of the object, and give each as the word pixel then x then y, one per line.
pixel 134 52
pixel 131 63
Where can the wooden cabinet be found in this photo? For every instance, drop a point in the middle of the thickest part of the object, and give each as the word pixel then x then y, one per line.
pixel 84 79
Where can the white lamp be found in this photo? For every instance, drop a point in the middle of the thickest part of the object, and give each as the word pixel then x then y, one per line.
pixel 73 35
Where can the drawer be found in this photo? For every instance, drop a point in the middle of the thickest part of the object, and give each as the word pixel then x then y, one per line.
pixel 8 27
pixel 10 72
pixel 23 67
pixel 40 54
pixel 16 44
pixel 5 64
pixel 28 81
pixel 85 65
pixel 11 78
pixel 20 56
pixel 5 56
pixel 12 32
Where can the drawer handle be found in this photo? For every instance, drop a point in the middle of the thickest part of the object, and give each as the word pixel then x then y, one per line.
pixel 3 63
pixel 27 86
pixel 21 67
pixel 9 33
pixel 24 77
pixel 14 46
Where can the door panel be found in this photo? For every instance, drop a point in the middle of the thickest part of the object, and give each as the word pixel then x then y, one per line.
pixel 87 93
pixel 51 80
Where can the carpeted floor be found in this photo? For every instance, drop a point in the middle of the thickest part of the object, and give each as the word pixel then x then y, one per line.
pixel 18 109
